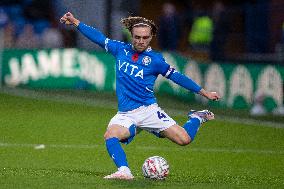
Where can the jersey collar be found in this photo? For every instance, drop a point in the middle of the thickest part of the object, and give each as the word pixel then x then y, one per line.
pixel 149 48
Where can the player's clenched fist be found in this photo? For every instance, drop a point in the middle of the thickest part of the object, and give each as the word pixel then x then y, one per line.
pixel 69 19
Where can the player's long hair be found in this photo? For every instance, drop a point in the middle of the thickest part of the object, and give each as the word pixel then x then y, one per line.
pixel 133 21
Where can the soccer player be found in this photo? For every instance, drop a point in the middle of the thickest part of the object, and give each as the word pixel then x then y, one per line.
pixel 137 68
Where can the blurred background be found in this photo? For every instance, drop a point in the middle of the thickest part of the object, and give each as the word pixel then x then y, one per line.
pixel 215 30
pixel 57 93
pixel 241 42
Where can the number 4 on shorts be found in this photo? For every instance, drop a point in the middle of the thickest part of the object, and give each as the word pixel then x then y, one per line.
pixel 161 115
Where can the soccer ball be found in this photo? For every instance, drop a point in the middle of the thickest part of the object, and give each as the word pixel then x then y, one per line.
pixel 155 167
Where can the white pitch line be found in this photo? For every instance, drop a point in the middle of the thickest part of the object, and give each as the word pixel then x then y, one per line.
pixel 74 146
pixel 167 149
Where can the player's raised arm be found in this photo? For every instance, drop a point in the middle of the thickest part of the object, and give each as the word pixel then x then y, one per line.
pixel 91 33
pixel 189 84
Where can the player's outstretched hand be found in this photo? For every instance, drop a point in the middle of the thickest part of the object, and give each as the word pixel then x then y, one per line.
pixel 210 95
pixel 213 96
pixel 69 19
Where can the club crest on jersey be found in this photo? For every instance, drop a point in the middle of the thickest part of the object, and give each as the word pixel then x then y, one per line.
pixel 146 60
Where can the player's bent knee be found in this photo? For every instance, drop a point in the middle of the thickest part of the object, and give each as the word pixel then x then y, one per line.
pixel 177 134
pixel 107 135
pixel 110 134
pixel 119 133
pixel 184 142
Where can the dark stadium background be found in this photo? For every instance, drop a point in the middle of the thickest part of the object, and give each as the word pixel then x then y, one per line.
pixel 51 126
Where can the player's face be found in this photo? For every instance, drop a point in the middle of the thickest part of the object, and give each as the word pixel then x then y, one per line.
pixel 141 37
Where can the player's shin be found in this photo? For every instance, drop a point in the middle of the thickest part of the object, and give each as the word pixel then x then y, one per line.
pixel 191 127
pixel 116 152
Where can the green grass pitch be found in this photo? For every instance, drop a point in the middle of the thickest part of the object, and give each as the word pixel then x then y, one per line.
pixel 223 155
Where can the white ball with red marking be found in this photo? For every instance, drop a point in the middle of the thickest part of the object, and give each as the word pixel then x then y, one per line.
pixel 155 167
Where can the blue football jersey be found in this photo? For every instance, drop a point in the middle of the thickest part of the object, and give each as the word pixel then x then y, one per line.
pixel 136 72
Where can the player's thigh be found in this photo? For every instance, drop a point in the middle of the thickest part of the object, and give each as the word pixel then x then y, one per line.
pixel 176 134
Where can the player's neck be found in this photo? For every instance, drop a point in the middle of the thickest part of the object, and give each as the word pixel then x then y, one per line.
pixel 133 48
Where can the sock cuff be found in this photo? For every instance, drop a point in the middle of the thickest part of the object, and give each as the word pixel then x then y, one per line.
pixel 196 119
pixel 112 140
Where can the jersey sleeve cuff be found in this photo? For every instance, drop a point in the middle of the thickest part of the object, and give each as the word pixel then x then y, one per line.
pixel 166 71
